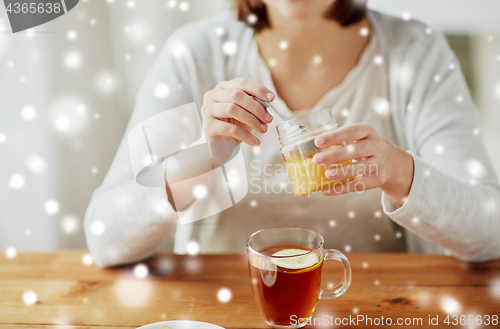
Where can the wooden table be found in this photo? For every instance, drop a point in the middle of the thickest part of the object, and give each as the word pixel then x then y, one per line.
pixel 73 295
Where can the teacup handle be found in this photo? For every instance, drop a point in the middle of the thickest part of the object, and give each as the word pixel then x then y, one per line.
pixel 342 287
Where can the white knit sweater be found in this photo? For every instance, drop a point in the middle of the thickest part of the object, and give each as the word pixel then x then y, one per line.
pixel 454 202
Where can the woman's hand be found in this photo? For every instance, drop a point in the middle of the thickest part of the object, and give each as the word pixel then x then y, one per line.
pixel 379 162
pixel 229 113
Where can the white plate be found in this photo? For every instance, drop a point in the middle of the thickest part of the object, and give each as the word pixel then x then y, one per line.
pixel 181 325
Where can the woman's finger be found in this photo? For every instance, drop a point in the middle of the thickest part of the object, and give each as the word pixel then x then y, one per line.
pixel 250 87
pixel 231 110
pixel 244 101
pixel 362 149
pixel 347 134
pixel 358 185
pixel 217 128
pixel 362 168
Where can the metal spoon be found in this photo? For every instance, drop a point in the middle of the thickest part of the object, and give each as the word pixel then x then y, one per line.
pixel 288 128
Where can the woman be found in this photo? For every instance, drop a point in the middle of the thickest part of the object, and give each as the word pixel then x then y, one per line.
pixel 393 84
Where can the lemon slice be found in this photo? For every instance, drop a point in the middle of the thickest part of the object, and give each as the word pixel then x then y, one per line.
pixel 295 263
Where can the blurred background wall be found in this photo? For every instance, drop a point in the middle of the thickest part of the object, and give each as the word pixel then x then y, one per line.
pixel 67 89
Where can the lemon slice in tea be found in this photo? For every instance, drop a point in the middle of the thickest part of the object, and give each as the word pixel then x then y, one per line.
pixel 295 263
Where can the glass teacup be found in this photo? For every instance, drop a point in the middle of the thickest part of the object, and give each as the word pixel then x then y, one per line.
pixel 285 266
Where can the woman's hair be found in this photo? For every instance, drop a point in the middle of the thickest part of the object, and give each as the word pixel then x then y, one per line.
pixel 345 12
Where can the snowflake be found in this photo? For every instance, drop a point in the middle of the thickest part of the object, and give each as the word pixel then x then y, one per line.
pixel 475 168
pixel 355 310
pixel 229 48
pixel 253 203
pixel 377 237
pixel 317 59
pixel 451 66
pixel 51 207
pixel 347 248
pixel 351 214
pixel 62 123
pixel 127 57
pixel 36 164
pixel 141 271
pixel 272 62
pixel 172 4
pixel 330 285
pixel 476 131
pixel 378 60
pixel 17 181
pixel 70 224
pixel 183 6
pixel 439 149
pixel 3 138
pixel 87 260
pixel 30 297
pixel 364 265
pixel 344 113
pixel 398 235
pixel 71 34
pixel 130 4
pixel 224 295
pixel 376 282
pixel 378 213
pixel 10 252
pixel 332 223
pixel 97 227
pixel 192 248
pixel 162 90
pixel 93 21
pixel 151 48
pixel 381 105
pixel 200 191
pixel 437 78
pixel 450 305
pixel 415 220
pixel 252 19
pixel 406 16
pixel 364 31
pixel 94 170
pixel 460 99
pixel 219 31
pixel 28 113
pixel 427 173
pixel 72 60
pixel 10 64
pixel 428 30
pixel 283 44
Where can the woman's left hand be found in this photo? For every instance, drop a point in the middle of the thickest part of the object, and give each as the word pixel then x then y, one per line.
pixel 379 162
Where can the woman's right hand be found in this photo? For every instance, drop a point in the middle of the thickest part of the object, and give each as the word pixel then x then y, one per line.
pixel 230 113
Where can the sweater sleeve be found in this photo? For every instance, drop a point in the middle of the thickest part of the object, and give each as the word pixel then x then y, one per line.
pixel 126 222
pixel 454 201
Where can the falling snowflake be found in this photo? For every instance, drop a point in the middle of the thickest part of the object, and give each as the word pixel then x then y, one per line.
pixel 283 44
pixel 97 227
pixel 30 297
pixel 377 237
pixel 97 116
pixel 460 99
pixel 332 223
pixel 70 224
pixel 476 131
pixel 10 64
pixel 253 203
pixel 172 4
pixel 219 30
pixel 365 265
pixel 376 282
pixel 71 34
pixel 183 6
pixel 475 168
pixel 87 260
pixel 398 235
pixel 192 248
pixel 437 78
pixel 439 149
pixel 11 252
pixel 272 62
pixel 355 310
pixel 256 150
pixel 351 214
pixel 378 213
pixel 410 107
pixel 127 57
pixel 489 38
pixel 381 105
pixel 427 172
pixel 93 21
pixel 72 60
pixel 151 48
pixel 229 48
pixel 17 181
pixel 364 31
pixel 378 60
pixel 347 248
pixel 415 220
pixel 451 66
pixel 36 164
pixel 450 305
pixel 62 123
pixel 3 138
pixel 51 207
pixel 428 30
pixel 130 4
pixel 27 232
pixel 94 170
pixel 141 271
pixel 162 90
pixel 406 16
pixel 200 191
pixel 317 59
pixel 224 295
pixel 330 285
pixel 252 19
pixel 344 112
pixel 28 113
